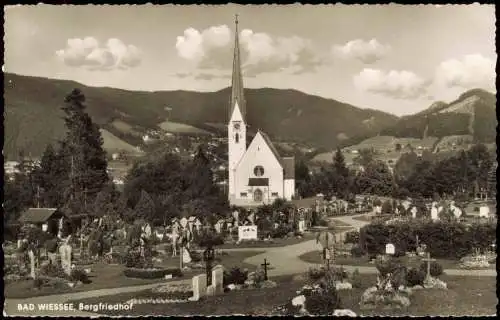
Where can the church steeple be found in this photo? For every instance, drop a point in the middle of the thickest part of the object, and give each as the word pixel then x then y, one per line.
pixel 237 95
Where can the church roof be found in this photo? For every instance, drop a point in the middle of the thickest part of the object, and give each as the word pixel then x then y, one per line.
pixel 272 147
pixel 289 167
pixel 237 78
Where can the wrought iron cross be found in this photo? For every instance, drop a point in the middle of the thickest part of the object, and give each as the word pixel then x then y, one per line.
pixel 265 264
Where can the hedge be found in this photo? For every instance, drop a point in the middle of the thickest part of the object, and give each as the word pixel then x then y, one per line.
pixel 151 273
pixel 443 239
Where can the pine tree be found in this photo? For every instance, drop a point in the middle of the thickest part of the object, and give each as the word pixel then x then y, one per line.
pixel 83 149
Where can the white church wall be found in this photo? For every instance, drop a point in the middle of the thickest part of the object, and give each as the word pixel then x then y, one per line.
pixel 289 189
pixel 258 153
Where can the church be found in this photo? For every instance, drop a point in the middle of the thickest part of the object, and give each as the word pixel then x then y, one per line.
pixel 257 173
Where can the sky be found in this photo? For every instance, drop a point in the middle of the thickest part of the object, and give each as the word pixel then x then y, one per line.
pixel 394 58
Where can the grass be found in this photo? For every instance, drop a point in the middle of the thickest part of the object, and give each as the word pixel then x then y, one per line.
pixel 113 143
pixel 470 295
pixel 105 276
pixel 176 127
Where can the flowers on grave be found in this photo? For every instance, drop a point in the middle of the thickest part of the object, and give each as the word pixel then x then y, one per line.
pixel 234 276
pixel 474 262
pixel 356 279
pixel 374 297
pixel 344 313
pixel 434 283
pixel 415 277
pixel 385 264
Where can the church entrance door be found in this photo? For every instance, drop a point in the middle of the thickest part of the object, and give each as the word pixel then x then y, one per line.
pixel 257 195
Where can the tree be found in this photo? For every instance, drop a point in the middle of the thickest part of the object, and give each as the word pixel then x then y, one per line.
pixel 50 177
pixel 405 166
pixel 303 179
pixel 365 157
pixel 398 147
pixel 375 179
pixel 83 148
pixel 145 208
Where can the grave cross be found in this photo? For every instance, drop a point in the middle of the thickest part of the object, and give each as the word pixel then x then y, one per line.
pixel 428 260
pixel 209 256
pixel 265 265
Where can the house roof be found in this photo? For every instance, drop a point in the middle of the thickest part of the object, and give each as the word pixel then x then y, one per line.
pixel 289 167
pixel 37 215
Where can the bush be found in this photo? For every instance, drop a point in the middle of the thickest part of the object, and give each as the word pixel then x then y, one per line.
pixel 356 279
pixel 79 275
pixel 207 239
pixel 443 239
pixel 436 269
pixel 387 207
pixel 316 274
pixel 281 231
pixel 323 303
pixel 415 277
pixel 352 237
pixel 357 251
pixel 234 276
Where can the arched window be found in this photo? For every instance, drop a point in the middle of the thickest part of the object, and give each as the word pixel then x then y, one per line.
pixel 257 195
pixel 237 138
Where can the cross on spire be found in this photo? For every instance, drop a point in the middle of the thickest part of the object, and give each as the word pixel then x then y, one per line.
pixel 237 95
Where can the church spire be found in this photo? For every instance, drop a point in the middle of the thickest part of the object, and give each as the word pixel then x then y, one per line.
pixel 237 77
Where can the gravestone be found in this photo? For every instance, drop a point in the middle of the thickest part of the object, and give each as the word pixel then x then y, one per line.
pixel 247 233
pixel 199 286
pixel 434 213
pixel 198 225
pixel 31 255
pixel 302 226
pixel 484 212
pixel 428 260
pixel 217 281
pixel 65 253
pixel 184 222
pixel 186 257
pixel 377 209
pixel 236 216
pixel 390 249
pixel 218 226
pixel 414 212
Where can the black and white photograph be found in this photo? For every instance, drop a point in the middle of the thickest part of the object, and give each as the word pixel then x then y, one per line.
pixel 249 160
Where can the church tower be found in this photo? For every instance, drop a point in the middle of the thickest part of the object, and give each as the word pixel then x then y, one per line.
pixel 236 128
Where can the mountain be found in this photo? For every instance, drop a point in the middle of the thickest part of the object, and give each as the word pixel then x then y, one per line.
pixel 472 113
pixel 33 115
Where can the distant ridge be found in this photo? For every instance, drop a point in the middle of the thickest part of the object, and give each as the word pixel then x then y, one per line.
pixel 33 116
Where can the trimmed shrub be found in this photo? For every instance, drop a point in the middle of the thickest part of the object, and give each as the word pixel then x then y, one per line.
pixel 281 231
pixel 415 277
pixel 436 269
pixel 206 239
pixel 387 207
pixel 234 276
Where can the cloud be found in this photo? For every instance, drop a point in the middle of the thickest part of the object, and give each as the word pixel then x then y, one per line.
pixel 203 75
pixel 206 49
pixel 88 53
pixel 471 71
pixel 260 52
pixel 396 84
pixel 367 52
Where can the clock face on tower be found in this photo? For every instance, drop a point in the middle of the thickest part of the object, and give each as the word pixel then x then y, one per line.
pixel 237 126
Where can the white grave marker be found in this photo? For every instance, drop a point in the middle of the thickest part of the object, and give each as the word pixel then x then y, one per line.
pixel 247 233
pixel 484 212
pixel 184 222
pixel 389 249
